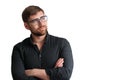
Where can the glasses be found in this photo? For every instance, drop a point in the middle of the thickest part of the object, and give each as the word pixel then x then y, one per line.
pixel 37 21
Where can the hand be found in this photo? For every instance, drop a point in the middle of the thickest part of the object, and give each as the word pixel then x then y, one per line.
pixel 59 63
pixel 29 72
pixel 39 73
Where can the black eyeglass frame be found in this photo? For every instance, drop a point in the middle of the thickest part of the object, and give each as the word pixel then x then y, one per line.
pixel 42 18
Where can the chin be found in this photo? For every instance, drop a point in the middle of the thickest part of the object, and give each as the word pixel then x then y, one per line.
pixel 41 33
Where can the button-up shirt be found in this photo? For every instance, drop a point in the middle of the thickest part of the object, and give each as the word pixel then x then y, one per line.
pixel 26 55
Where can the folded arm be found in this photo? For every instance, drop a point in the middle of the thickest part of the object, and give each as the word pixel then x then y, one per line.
pixel 63 73
pixel 17 67
pixel 62 70
pixel 41 73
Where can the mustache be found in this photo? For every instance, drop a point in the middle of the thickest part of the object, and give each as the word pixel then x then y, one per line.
pixel 42 26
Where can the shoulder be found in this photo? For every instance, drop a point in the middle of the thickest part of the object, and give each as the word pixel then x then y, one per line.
pixel 57 38
pixel 60 40
pixel 23 42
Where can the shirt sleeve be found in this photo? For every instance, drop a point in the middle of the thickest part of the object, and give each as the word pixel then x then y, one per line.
pixel 63 73
pixel 17 66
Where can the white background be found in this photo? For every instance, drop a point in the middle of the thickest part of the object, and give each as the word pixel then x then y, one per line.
pixel 91 26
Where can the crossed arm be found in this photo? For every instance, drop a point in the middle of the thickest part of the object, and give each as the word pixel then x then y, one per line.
pixel 18 71
pixel 40 73
pixel 60 71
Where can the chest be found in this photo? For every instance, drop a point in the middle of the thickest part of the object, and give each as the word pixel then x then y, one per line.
pixel 45 57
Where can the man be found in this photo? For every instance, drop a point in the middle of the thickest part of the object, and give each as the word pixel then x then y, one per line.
pixel 41 56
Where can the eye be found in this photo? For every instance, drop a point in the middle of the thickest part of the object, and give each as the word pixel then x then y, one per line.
pixel 34 21
pixel 43 18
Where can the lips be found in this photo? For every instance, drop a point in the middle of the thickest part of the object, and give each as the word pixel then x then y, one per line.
pixel 42 26
pixel 41 29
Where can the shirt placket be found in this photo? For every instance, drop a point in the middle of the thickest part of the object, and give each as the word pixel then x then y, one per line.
pixel 39 55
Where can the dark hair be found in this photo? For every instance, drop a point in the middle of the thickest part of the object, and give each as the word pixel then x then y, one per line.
pixel 30 10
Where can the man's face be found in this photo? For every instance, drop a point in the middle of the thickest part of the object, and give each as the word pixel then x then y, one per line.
pixel 38 24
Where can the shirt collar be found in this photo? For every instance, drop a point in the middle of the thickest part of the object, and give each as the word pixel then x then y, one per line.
pixel 46 38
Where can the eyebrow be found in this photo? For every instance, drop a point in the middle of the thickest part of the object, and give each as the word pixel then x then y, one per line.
pixel 36 18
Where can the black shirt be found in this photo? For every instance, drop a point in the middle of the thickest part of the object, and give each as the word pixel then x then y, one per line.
pixel 26 55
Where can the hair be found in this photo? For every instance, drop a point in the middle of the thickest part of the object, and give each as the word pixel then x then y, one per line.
pixel 30 10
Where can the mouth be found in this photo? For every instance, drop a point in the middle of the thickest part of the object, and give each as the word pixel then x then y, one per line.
pixel 41 26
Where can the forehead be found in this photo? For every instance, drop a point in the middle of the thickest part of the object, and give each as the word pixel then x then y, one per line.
pixel 37 15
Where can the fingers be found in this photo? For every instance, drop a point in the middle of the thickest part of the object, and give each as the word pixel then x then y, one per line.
pixel 59 62
pixel 28 72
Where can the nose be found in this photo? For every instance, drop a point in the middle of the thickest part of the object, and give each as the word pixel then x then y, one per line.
pixel 39 22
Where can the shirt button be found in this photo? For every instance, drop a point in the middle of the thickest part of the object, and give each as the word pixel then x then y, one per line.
pixel 40 55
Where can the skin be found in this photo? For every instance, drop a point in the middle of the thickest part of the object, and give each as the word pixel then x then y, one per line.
pixel 38 34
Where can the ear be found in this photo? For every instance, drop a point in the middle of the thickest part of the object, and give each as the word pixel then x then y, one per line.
pixel 26 26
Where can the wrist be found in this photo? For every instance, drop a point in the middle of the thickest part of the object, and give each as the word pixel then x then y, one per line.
pixel 35 72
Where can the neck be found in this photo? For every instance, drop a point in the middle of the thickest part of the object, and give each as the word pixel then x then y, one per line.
pixel 38 39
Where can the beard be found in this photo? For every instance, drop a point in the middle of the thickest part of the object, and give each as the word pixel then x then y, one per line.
pixel 39 32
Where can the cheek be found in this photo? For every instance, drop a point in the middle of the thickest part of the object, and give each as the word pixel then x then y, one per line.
pixel 43 27
pixel 44 23
pixel 35 27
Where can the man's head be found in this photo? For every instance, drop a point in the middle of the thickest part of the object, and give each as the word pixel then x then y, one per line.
pixel 35 20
